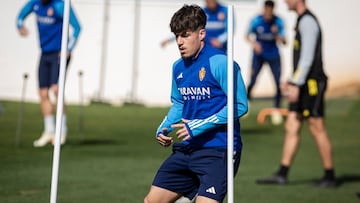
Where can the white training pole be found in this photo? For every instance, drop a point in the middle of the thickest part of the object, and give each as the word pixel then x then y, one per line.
pixel 230 104
pixel 60 102
pixel 104 46
pixel 135 58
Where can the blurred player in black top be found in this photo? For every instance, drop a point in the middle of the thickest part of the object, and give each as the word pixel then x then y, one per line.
pixel 305 89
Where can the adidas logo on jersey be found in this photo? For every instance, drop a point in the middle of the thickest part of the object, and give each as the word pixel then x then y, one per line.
pixel 211 190
pixel 180 76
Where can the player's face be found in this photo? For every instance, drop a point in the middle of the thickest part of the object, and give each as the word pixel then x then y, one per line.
pixel 268 13
pixel 190 43
pixel 211 4
pixel 292 4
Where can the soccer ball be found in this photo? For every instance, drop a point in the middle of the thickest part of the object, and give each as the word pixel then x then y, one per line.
pixel 276 117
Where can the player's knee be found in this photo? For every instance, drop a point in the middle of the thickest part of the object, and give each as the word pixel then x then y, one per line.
pixel 146 200
pixel 291 128
pixel 316 126
pixel 55 89
pixel 44 94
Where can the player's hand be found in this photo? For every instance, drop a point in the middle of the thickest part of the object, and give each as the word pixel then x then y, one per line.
pixel 182 133
pixel 274 29
pixel 68 54
pixel 280 39
pixel 257 48
pixel 293 92
pixel 164 43
pixel 164 140
pixel 284 88
pixel 23 31
pixel 215 43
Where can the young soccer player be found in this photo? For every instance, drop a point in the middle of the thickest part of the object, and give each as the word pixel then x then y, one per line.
pixel 49 17
pixel 198 164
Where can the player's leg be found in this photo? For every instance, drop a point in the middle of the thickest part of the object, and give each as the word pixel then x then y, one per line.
pixel 275 66
pixel 293 126
pixel 54 79
pixel 173 179
pixel 161 195
pixel 317 128
pixel 201 199
pixel 291 142
pixel 55 89
pixel 257 63
pixel 45 103
pixel 210 166
pixel 292 138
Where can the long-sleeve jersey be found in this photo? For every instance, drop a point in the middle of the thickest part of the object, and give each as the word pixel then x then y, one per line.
pixel 216 24
pixel 307 50
pixel 49 20
pixel 199 95
pixel 267 39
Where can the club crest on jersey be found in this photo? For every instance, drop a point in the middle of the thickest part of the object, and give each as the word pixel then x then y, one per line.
pixel 50 12
pixel 221 16
pixel 260 29
pixel 202 74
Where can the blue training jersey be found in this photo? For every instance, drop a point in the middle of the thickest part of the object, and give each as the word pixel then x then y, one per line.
pixel 262 31
pixel 216 25
pixel 199 94
pixel 49 20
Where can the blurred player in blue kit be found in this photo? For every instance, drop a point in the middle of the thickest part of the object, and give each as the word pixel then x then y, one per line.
pixel 49 19
pixel 216 25
pixel 266 30
pixel 198 163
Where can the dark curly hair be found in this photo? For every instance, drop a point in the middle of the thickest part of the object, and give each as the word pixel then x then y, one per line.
pixel 188 18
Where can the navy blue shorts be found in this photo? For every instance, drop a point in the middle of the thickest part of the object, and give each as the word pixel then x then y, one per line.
pixel 190 172
pixel 49 68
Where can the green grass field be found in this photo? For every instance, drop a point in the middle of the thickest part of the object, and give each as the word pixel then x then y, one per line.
pixel 114 157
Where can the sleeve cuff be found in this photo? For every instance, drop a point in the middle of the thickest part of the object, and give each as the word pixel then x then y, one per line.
pixel 189 130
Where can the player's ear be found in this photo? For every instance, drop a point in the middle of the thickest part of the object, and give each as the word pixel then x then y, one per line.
pixel 202 34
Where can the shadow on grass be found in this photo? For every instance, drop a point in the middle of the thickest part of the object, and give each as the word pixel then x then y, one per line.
pixel 256 131
pixel 348 179
pixel 97 142
pixel 340 180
